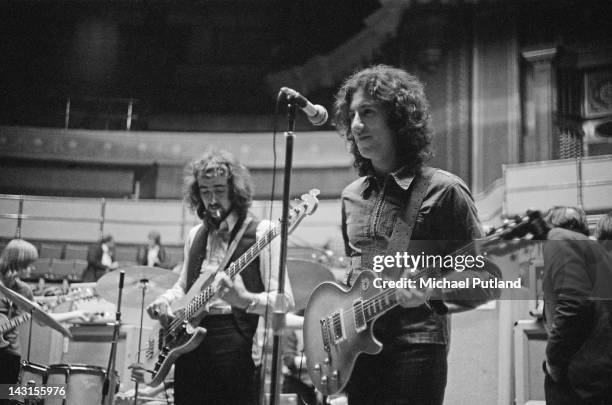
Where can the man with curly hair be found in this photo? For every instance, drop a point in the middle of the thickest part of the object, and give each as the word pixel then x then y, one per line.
pixel 220 370
pixel 383 114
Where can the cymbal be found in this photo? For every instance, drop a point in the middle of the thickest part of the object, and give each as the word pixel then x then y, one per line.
pixel 305 276
pixel 37 313
pixel 157 281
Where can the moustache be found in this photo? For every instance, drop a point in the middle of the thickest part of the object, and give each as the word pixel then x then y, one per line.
pixel 215 211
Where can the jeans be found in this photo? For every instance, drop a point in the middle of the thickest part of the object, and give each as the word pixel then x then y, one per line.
pixel 412 374
pixel 220 370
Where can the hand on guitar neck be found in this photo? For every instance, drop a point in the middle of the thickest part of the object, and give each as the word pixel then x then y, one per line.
pixel 233 291
pixel 160 310
pixel 413 297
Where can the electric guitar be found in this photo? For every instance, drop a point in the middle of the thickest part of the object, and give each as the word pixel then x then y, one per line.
pixel 338 321
pixel 183 334
pixel 7 324
pixel 50 302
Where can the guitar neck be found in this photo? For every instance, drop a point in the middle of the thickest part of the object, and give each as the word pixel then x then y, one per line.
pixel 12 323
pixel 196 306
pixel 387 299
pixel 306 207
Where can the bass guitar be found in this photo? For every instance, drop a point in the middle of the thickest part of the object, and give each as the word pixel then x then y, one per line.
pixel 183 334
pixel 338 321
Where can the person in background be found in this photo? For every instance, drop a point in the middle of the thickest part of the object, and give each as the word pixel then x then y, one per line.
pixel 296 379
pixel 18 257
pixel 100 259
pixel 603 231
pixel 577 287
pixel 571 218
pixel 153 254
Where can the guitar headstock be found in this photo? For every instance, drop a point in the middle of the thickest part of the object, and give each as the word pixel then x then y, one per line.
pixel 516 232
pixel 310 200
pixel 306 205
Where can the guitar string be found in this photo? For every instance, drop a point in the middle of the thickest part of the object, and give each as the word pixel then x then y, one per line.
pixel 372 301
pixel 208 293
pixel 205 296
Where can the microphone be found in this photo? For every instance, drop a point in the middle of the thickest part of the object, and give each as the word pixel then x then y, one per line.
pixel 317 114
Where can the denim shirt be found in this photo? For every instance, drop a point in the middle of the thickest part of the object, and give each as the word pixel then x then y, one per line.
pixel 446 221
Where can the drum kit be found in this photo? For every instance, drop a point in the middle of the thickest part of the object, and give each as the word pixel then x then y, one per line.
pixel 136 287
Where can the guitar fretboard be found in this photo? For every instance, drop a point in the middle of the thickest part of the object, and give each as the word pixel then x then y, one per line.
pixel 13 323
pixel 197 303
pixel 367 310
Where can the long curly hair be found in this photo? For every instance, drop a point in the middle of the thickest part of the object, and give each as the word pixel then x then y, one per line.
pixel 238 180
pixel 402 98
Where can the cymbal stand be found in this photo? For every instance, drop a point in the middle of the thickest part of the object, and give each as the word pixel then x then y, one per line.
pixel 30 333
pixel 143 284
pixel 110 382
pixel 30 383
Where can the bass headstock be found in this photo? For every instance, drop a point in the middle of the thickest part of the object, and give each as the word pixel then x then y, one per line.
pixel 306 205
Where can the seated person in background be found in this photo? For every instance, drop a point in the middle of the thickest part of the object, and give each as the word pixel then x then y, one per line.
pixel 296 380
pixel 17 257
pixel 100 259
pixel 153 254
pixel 603 231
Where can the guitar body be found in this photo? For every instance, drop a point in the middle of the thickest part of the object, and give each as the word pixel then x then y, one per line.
pixel 169 349
pixel 3 320
pixel 162 349
pixel 7 325
pixel 331 351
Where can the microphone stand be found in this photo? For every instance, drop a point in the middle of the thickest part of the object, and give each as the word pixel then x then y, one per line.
pixel 280 306
pixel 110 382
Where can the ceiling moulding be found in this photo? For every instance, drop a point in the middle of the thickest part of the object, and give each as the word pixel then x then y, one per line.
pixel 327 70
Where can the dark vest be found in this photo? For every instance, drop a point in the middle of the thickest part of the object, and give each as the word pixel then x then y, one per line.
pixel 247 323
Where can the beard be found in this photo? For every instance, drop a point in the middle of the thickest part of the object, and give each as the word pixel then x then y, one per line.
pixel 215 214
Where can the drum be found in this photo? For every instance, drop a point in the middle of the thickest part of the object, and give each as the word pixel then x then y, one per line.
pixel 31 373
pixel 84 384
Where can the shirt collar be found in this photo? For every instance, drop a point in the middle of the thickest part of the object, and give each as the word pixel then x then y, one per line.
pixel 401 177
pixel 231 220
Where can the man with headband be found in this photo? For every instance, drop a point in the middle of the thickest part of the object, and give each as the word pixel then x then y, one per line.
pixel 220 370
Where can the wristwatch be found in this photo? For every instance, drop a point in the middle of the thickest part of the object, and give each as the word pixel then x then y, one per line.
pixel 253 304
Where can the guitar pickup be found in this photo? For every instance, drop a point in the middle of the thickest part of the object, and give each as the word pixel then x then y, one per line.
pixel 336 322
pixel 358 314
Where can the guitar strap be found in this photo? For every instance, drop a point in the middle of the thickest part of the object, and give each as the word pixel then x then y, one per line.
pixel 234 244
pixel 402 232
pixel 230 251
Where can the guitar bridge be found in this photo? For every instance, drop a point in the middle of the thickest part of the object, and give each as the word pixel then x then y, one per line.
pixel 325 333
